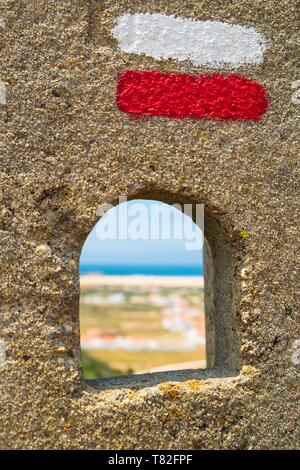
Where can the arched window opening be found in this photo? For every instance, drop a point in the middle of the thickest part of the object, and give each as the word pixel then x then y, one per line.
pixel 142 305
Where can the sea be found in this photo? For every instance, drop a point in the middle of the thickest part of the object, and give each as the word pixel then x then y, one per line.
pixel 147 270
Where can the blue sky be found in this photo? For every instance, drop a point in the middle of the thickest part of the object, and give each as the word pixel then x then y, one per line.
pixel 105 245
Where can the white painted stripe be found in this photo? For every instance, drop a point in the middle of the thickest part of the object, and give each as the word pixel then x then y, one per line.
pixel 2 93
pixel 208 43
pixel 2 352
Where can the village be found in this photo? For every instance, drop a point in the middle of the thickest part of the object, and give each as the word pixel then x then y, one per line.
pixel 143 319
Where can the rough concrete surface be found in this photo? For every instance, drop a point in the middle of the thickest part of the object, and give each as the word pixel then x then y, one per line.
pixel 65 149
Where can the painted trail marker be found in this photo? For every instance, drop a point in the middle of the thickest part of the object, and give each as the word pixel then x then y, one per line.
pixel 206 43
pixel 2 84
pixel 178 96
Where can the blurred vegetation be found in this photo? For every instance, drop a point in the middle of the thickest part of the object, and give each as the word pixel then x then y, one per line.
pixel 136 361
pixel 95 369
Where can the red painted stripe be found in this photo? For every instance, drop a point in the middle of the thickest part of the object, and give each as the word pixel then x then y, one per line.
pixel 216 96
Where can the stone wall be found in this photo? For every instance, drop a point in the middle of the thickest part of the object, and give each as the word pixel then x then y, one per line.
pixel 66 148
